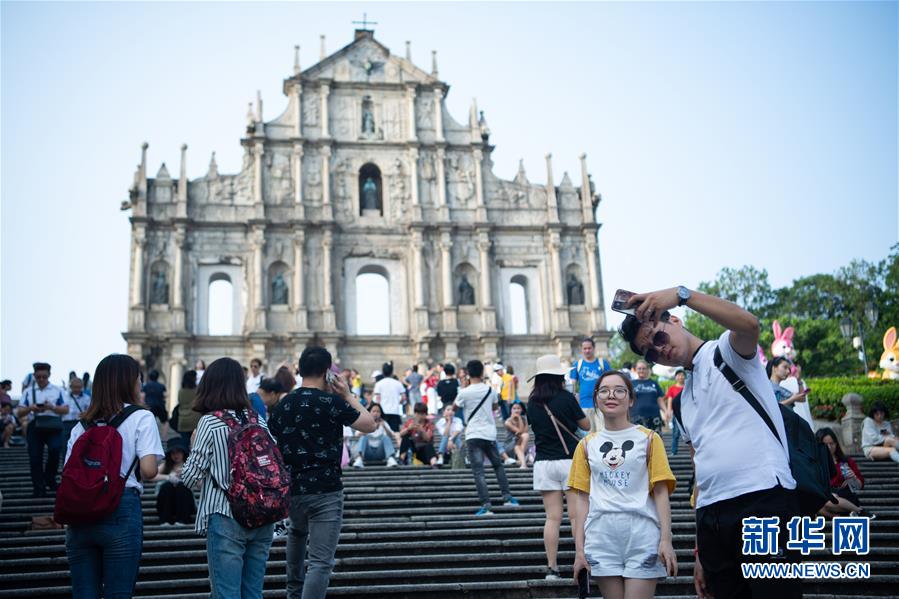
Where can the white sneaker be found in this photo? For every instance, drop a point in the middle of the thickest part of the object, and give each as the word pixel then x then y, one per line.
pixel 391 462
pixel 440 460
pixel 510 462
pixel 358 463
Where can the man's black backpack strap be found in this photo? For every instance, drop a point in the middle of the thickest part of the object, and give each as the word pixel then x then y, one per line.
pixel 808 457
pixel 675 407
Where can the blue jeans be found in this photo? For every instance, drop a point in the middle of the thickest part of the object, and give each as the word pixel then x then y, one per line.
pixel 444 441
pixel 237 557
pixel 368 452
pixel 104 557
pixel 505 409
pixel 316 519
pixel 675 437
pixel 477 450
pixel 37 438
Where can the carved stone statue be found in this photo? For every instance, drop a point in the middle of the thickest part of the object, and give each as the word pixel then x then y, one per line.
pixel 370 195
pixel 159 293
pixel 368 120
pixel 466 292
pixel 575 291
pixel 279 290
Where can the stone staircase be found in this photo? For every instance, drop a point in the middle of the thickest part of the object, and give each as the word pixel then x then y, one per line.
pixel 411 532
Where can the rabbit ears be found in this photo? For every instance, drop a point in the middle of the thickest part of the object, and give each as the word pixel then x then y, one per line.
pixel 786 334
pixel 889 339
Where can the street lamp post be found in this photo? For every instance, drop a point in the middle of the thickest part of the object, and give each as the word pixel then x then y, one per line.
pixel 847 326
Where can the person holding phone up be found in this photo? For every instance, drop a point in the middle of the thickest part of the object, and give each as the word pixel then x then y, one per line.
pixel 778 371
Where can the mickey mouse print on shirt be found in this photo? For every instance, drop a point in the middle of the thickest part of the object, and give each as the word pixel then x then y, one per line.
pixel 614 456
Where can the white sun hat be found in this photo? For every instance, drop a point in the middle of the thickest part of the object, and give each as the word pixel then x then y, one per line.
pixel 549 364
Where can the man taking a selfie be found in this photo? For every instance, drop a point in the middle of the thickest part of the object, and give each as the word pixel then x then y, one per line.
pixel 742 470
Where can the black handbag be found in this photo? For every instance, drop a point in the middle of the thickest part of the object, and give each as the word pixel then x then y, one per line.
pixel 45 422
pixel 809 459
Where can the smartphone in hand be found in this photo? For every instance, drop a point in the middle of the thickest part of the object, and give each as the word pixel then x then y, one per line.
pixel 583 584
pixel 620 301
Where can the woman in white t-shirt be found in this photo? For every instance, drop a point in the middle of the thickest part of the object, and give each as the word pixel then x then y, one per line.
pixel 622 515
pixel 378 445
pixel 104 557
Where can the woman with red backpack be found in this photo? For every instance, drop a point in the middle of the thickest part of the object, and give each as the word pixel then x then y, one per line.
pixel 245 486
pixel 105 532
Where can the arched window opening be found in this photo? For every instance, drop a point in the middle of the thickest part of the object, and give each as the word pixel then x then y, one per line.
pixel 221 305
pixel 371 195
pixel 372 303
pixel 518 305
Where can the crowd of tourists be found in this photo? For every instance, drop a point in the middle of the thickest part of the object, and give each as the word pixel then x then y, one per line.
pixel 265 452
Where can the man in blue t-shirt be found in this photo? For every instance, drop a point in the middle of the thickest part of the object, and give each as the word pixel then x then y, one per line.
pixel 584 375
pixel 649 399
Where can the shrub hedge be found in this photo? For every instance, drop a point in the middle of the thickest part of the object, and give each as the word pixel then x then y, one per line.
pixel 825 398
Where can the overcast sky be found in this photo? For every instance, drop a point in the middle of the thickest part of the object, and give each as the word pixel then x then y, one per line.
pixel 719 134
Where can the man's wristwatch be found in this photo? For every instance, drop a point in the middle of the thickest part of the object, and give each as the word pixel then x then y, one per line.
pixel 683 295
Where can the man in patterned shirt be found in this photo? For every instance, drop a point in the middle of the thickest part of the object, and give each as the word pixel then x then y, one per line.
pixel 308 425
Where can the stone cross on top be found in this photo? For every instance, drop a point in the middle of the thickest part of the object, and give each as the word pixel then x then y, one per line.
pixel 365 22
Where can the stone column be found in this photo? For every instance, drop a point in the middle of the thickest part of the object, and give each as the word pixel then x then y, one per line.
pixel 298 304
pixel 852 423
pixel 413 183
pixel 327 212
pixel 257 178
pixel 137 267
pixel 412 133
pixel 552 204
pixel 176 372
pixel 136 310
pixel 297 91
pixel 327 305
pixel 479 186
pixel 560 311
pixel 296 159
pixel 421 312
pixel 441 185
pixel 257 278
pixel 446 268
pixel 177 282
pixel 181 207
pixel 488 312
pixel 593 296
pixel 438 113
pixel 586 196
pixel 325 89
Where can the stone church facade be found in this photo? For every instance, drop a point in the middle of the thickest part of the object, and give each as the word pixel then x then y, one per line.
pixel 364 172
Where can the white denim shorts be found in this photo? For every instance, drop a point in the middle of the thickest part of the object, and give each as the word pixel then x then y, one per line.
pixel 551 475
pixel 623 544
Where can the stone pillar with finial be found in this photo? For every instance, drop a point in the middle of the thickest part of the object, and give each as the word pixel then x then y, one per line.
pixel 473 121
pixel 322 54
pixel 434 72
pixel 408 50
pixel 296 92
pixel 552 204
pixel 181 207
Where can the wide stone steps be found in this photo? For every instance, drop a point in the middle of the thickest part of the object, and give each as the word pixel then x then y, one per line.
pixel 410 532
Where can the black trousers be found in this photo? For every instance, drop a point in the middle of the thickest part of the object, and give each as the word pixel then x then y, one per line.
pixel 175 503
pixel 719 537
pixel 394 421
pixel 43 478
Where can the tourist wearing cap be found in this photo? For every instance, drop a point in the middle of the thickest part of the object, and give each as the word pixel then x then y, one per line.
pixel 555 417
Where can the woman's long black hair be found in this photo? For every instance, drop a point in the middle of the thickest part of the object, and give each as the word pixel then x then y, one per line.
pixel 546 386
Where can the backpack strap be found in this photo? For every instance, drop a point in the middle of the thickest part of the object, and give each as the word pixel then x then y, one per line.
pixel 675 407
pixel 119 418
pixel 740 387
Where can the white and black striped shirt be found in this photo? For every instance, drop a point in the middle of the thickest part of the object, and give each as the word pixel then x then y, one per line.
pixel 209 460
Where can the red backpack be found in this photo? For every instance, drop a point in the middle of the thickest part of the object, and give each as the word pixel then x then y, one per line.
pixel 92 484
pixel 260 484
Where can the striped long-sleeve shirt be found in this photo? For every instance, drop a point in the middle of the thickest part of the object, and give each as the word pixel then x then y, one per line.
pixel 210 466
